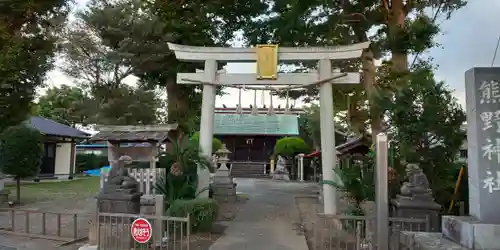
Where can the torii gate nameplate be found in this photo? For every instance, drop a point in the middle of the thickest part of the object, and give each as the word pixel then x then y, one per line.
pixel 267 61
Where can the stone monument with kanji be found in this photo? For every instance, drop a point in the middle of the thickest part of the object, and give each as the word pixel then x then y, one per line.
pixel 481 229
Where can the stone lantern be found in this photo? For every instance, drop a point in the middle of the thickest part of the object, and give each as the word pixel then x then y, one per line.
pixel 223 187
pixel 222 156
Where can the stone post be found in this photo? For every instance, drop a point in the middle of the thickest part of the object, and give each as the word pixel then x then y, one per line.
pixel 4 194
pixel 381 192
pixel 158 224
pixel 300 160
pixel 2 181
pixel 272 166
pixel 369 209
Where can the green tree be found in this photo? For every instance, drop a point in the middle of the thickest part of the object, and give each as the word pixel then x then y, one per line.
pixel 127 105
pixel 309 125
pixel 137 33
pixel 426 125
pixel 290 146
pixel 401 28
pixel 216 143
pixel 27 44
pixel 101 68
pixel 67 105
pixel 20 153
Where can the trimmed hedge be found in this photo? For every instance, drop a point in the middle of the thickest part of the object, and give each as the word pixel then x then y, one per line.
pixel 90 161
pixel 202 212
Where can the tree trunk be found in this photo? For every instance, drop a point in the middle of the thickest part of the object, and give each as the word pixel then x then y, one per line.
pixel 176 105
pixel 369 76
pixel 371 91
pixel 18 190
pixel 396 24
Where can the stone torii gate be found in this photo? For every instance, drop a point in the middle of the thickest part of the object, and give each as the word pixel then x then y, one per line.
pixel 268 57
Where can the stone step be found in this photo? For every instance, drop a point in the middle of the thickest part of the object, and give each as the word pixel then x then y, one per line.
pixel 247 171
pixel 248 174
pixel 251 176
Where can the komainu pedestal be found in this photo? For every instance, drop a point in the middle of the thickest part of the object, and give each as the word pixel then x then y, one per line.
pixel 281 173
pixel 416 201
pixel 120 195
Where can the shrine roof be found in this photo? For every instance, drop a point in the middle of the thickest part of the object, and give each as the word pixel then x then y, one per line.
pixel 142 133
pixel 261 124
pixel 52 128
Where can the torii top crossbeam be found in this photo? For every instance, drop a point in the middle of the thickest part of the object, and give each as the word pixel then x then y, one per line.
pixel 267 58
pixel 285 54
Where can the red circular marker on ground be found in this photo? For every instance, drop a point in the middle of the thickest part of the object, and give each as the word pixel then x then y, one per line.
pixel 141 230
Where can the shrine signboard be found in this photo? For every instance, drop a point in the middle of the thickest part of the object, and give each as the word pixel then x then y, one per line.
pixel 483 138
pixel 267 61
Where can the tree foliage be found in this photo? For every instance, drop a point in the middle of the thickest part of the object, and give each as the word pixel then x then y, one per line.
pixel 395 29
pixel 102 66
pixel 310 126
pixel 132 36
pixel 426 125
pixel 290 146
pixel 181 161
pixel 216 143
pixel 66 105
pixel 28 32
pixel 20 152
pixel 73 105
pixel 127 105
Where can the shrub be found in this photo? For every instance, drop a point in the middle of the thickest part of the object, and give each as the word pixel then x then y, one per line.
pixel 90 161
pixel 202 212
pixel 21 151
pixel 180 181
pixel 290 146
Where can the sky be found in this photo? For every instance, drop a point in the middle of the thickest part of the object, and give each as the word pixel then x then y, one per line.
pixel 468 40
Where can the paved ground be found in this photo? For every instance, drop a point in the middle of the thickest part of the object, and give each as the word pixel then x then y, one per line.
pixel 269 220
pixel 82 206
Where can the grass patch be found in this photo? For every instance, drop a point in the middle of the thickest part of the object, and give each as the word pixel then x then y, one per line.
pixel 243 196
pixel 45 191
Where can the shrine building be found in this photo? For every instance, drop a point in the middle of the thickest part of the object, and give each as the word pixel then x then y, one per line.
pixel 251 136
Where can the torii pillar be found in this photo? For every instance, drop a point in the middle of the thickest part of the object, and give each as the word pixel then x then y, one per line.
pixel 268 57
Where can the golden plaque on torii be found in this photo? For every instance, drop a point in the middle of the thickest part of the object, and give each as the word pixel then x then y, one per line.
pixel 267 61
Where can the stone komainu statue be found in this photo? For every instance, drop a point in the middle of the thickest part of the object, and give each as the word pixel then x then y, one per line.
pixel 417 186
pixel 118 178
